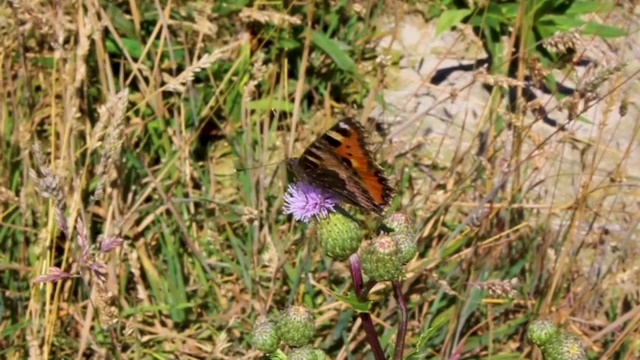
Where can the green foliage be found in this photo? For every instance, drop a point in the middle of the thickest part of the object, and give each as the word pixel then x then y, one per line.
pixel 540 19
pixel 355 303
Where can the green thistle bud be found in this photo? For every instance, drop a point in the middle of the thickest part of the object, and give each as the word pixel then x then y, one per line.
pixel 407 247
pixel 306 353
pixel 296 326
pixel 564 346
pixel 541 331
pixel 264 336
pixel 403 234
pixel 321 355
pixel 399 222
pixel 380 259
pixel 340 237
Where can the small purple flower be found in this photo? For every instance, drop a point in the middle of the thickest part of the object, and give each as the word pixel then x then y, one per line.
pixel 305 201
pixel 54 274
pixel 99 270
pixel 108 244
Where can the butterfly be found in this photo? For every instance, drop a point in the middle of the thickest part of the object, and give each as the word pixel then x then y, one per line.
pixel 341 163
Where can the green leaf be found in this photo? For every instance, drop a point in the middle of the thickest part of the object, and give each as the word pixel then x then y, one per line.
pixel 438 323
pixel 288 43
pixel 453 246
pixel 508 11
pixel 352 300
pixel 332 48
pixel 450 18
pixel 44 61
pixel 225 8
pixel 271 104
pixel 560 22
pixel 585 120
pixel 487 21
pixel 435 327
pixel 133 47
pixel 120 21
pixel 278 355
pixel 586 7
pixel 504 330
pixel 605 31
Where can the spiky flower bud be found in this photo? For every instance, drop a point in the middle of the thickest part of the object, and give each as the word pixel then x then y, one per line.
pixel 403 234
pixel 407 247
pixel 264 336
pixel 340 237
pixel 296 326
pixel 399 222
pixel 541 331
pixel 306 353
pixel 380 259
pixel 564 346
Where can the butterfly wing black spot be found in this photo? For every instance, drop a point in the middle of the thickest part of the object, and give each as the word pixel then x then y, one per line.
pixel 344 131
pixel 332 141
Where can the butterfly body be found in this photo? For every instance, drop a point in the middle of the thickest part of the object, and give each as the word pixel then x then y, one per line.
pixel 341 163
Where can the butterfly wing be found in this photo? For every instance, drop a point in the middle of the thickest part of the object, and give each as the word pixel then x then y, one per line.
pixel 340 162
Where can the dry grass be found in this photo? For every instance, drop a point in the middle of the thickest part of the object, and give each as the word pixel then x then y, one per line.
pixel 135 129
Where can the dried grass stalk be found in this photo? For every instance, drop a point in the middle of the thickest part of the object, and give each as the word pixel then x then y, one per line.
pixel 7 196
pixel 257 74
pixel 498 287
pixel 112 113
pixel 105 301
pixel 493 80
pixel 267 16
pixel 82 49
pixel 49 186
pixel 563 41
pixel 177 84
pixel 33 15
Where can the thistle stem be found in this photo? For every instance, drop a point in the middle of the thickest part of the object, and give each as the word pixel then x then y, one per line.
pixel 367 322
pixel 402 326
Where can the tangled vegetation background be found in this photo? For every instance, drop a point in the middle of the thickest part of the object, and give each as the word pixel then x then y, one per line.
pixel 142 173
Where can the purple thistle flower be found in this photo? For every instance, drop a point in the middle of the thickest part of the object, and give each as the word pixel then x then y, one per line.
pixel 305 201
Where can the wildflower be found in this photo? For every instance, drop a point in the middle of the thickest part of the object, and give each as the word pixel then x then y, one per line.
pixel 305 201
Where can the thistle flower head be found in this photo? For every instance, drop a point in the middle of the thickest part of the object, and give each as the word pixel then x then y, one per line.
pixel 380 259
pixel 564 346
pixel 306 353
pixel 305 201
pixel 403 235
pixel 339 236
pixel 264 336
pixel 541 331
pixel 296 326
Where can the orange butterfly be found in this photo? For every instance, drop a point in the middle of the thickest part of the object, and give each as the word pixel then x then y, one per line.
pixel 341 163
